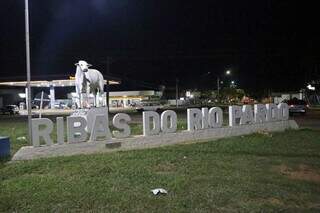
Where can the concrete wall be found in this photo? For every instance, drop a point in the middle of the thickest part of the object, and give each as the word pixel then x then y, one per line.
pixel 140 142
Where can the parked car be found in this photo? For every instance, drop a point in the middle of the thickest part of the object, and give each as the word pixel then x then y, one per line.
pixel 149 107
pixel 10 109
pixel 297 106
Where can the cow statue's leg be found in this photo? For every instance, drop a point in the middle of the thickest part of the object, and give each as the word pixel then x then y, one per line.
pixel 97 95
pixel 100 88
pixel 81 100
pixel 94 99
pixel 88 105
pixel 78 98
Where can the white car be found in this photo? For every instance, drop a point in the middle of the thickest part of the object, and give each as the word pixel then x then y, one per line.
pixel 149 107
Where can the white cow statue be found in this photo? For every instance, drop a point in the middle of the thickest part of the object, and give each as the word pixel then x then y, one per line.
pixel 88 81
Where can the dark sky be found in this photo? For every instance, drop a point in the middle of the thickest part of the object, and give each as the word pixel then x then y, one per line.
pixel 268 45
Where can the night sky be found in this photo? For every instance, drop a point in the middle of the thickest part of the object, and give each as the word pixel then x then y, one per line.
pixel 268 45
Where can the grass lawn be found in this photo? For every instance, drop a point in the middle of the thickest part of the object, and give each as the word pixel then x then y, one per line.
pixel 258 172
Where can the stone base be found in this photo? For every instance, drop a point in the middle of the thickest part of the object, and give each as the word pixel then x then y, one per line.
pixel 140 142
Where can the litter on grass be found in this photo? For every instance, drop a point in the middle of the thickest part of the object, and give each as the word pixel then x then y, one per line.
pixel 22 138
pixel 159 191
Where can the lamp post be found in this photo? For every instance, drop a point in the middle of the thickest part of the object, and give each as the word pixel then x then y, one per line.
pixel 177 92
pixel 28 69
pixel 228 72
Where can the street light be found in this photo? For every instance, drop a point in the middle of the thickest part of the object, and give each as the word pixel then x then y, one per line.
pixel 232 84
pixel 28 96
pixel 228 72
pixel 310 87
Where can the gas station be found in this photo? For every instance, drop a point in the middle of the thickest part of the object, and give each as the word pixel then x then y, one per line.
pixel 52 85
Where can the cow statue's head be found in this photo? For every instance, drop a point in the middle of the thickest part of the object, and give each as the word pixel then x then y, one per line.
pixel 83 65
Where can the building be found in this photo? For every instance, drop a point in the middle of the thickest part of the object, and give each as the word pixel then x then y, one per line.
pixel 279 97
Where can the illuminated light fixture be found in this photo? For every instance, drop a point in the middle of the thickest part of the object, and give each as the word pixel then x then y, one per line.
pixel 310 87
pixel 228 72
pixel 22 95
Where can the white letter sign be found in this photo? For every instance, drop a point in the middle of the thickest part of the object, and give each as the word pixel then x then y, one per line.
pixel 235 113
pixel 260 113
pixel 100 128
pixel 283 111
pixel 120 121
pixel 43 132
pixel 194 119
pixel 215 117
pixel 247 115
pixel 272 112
pixel 172 117
pixel 77 133
pixel 154 116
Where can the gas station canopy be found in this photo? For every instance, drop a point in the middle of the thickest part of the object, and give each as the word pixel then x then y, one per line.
pixel 55 83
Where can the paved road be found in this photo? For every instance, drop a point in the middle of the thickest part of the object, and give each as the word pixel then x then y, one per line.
pixel 310 120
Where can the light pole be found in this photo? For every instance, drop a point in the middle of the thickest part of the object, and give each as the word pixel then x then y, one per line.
pixel 28 69
pixel 177 92
pixel 218 85
pixel 108 86
pixel 228 72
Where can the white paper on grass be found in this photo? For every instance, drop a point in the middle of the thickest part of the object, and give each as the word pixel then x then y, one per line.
pixel 159 191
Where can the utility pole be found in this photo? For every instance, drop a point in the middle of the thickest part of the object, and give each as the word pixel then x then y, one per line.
pixel 177 92
pixel 28 69
pixel 108 71
pixel 218 86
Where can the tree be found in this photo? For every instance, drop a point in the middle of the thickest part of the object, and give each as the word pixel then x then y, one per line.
pixel 231 95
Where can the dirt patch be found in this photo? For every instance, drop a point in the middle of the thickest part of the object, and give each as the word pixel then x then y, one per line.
pixel 265 133
pixel 164 168
pixel 303 172
pixel 275 201
pixel 271 200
